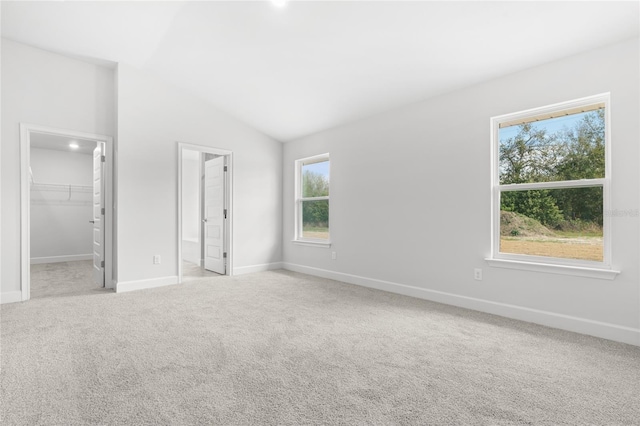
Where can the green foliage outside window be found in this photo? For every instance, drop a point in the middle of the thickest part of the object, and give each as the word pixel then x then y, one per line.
pixel 536 155
pixel 315 213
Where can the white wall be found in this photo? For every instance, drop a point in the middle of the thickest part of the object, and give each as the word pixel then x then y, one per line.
pixel 191 176
pixel 43 88
pixel 410 199
pixel 191 196
pixel 152 118
pixel 60 228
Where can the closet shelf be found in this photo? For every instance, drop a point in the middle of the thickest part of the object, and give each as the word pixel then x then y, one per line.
pixel 60 187
pixel 51 194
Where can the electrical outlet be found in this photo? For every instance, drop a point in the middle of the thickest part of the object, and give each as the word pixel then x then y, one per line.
pixel 477 274
pixel 156 259
pixel 334 256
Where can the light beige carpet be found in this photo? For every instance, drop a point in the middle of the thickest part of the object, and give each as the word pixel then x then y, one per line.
pixel 63 279
pixel 284 348
pixel 192 272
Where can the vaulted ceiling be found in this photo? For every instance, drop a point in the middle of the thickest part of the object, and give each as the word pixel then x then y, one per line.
pixel 310 66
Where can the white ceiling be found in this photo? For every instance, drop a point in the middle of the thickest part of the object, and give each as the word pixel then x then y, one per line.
pixel 310 66
pixel 61 143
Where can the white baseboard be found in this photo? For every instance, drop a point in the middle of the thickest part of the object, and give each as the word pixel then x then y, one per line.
pixel 10 297
pixel 55 259
pixel 124 286
pixel 550 319
pixel 257 268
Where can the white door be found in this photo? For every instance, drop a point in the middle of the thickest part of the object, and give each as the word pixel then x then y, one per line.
pixel 214 215
pixel 98 215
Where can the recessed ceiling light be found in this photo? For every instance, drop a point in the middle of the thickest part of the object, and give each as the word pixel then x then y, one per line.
pixel 279 3
pixel 74 145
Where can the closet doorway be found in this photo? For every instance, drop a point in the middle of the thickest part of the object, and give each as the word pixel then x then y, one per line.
pixel 205 213
pixel 66 232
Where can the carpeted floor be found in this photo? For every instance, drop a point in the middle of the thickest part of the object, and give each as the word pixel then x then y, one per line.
pixel 63 279
pixel 192 272
pixel 288 349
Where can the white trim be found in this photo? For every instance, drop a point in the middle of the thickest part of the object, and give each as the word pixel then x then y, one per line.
pixel 578 271
pixel 1 197
pixel 528 118
pixel 600 329
pixel 56 259
pixel 314 198
pixel 241 270
pixel 560 106
pixel 299 199
pixel 313 243
pixel 25 204
pixel 110 213
pixel 319 158
pixel 123 287
pixel 606 188
pixel 554 261
pixel 179 261
pixel 10 297
pixel 205 149
pixel 25 213
pixel 562 184
pixel 229 201
pixel 526 262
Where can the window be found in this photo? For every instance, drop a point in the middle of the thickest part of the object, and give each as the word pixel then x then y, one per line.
pixel 551 185
pixel 312 199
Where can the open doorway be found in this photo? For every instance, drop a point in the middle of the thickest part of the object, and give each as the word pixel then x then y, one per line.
pixel 204 241
pixel 66 215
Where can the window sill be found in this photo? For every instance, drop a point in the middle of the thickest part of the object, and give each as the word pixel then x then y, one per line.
pixel 578 271
pixel 312 243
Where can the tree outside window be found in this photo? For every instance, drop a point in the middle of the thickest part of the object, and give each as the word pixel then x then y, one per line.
pixel 551 182
pixel 312 204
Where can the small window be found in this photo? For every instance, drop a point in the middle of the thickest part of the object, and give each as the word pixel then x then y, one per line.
pixel 312 199
pixel 551 184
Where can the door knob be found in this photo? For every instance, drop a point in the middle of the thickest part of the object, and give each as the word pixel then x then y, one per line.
pixel 204 220
pixel 92 221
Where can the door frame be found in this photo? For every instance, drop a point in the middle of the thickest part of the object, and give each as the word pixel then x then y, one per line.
pixel 101 148
pixel 25 200
pixel 228 229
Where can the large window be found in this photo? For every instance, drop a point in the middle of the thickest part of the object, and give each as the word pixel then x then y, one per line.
pixel 312 199
pixel 551 184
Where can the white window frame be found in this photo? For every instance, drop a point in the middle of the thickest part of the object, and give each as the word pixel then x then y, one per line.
pixel 299 199
pixel 576 267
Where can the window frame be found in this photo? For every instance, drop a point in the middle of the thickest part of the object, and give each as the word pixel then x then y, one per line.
pixel 299 200
pixel 580 267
